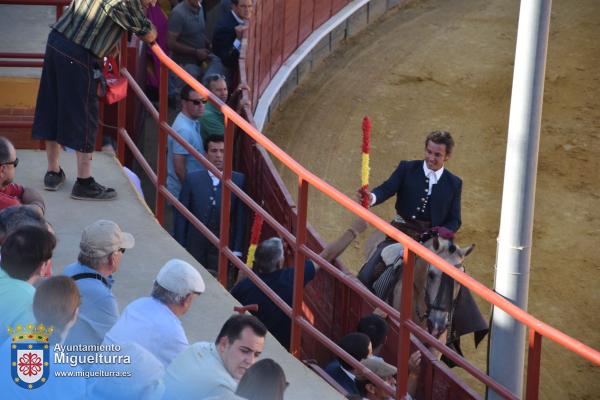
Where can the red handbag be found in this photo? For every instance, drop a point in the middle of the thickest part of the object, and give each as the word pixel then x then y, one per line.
pixel 112 86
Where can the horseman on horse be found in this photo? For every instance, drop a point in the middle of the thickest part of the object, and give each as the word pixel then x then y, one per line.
pixel 428 209
pixel 427 195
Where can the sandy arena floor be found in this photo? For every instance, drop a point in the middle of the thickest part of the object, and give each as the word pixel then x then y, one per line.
pixel 448 65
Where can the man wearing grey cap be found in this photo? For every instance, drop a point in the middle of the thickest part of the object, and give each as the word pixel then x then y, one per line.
pixel 100 253
pixel 387 373
pixel 153 322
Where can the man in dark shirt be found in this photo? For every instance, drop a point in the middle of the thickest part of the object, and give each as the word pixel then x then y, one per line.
pixel 427 194
pixel 189 44
pixel 229 32
pixel 268 264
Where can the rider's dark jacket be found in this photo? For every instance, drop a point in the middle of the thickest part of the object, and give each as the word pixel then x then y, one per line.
pixel 410 185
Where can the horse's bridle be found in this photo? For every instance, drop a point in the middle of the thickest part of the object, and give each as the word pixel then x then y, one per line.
pixel 432 306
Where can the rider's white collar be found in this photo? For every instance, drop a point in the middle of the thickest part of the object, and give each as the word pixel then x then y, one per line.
pixel 438 173
pixel 433 176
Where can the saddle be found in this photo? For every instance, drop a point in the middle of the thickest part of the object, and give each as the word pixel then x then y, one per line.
pixel 382 270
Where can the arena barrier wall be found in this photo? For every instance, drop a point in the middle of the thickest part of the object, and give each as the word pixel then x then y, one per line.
pixel 282 51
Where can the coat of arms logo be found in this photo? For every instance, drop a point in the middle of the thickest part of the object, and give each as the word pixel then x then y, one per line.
pixel 30 355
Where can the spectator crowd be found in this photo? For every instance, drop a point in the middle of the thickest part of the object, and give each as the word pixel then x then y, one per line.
pixel 82 310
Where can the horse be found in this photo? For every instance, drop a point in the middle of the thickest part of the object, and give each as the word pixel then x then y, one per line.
pixel 434 293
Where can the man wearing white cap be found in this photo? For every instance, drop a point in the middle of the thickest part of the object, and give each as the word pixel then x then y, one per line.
pixel 100 253
pixel 153 322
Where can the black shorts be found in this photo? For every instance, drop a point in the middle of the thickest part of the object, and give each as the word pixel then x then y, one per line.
pixel 67 103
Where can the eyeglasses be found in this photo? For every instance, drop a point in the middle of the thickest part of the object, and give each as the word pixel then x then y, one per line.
pixel 15 163
pixel 197 102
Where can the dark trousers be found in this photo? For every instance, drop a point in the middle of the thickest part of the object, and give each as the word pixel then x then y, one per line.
pixel 67 102
pixel 371 270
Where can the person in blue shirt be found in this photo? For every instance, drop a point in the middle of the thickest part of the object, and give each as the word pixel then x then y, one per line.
pixel 154 322
pixel 179 161
pixel 268 265
pixel 26 259
pixel 55 304
pixel 101 251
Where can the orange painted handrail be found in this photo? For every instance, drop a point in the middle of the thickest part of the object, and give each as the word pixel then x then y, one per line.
pixel 527 319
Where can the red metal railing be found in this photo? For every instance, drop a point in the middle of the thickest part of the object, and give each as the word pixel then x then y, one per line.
pixel 35 60
pixel 27 60
pixel 60 6
pixel 300 325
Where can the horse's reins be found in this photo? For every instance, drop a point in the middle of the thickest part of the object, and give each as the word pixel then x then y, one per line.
pixel 433 306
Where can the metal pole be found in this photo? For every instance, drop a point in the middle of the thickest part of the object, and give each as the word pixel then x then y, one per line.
pixel 122 107
pixel 507 338
pixel 222 267
pixel 301 218
pixel 408 276
pixel 161 157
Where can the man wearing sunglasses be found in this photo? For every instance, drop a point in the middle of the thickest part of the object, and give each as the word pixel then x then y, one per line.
pixel 101 251
pixel 13 194
pixel 179 160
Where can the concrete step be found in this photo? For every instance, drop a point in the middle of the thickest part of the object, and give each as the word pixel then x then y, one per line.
pixel 154 246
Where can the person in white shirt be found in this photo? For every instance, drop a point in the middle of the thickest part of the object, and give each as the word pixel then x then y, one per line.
pixel 213 369
pixel 153 322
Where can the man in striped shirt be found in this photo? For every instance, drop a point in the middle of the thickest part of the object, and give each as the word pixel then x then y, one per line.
pixel 67 104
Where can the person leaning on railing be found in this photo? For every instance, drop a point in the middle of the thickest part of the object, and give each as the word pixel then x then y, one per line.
pixel 269 266
pixel 66 112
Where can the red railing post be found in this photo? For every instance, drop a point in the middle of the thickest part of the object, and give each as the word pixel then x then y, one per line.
pixel 301 218
pixel 405 315
pixel 161 158
pixel 122 107
pixel 225 201
pixel 534 357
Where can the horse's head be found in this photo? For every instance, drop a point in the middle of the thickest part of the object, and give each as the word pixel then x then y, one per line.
pixel 441 290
